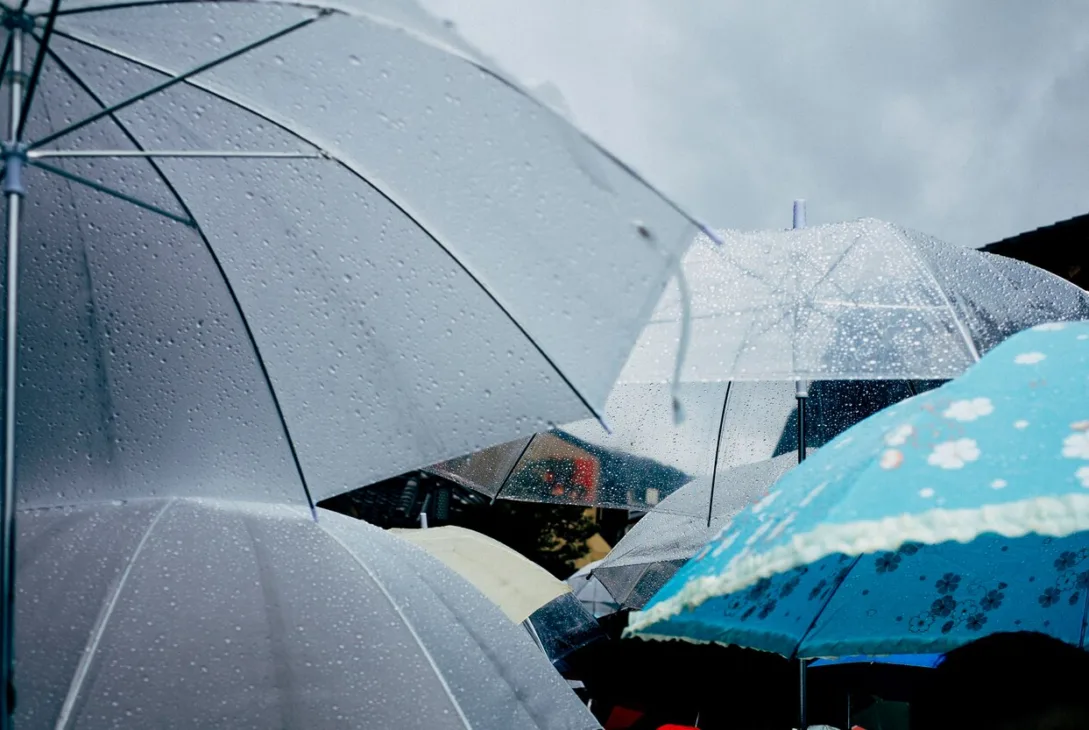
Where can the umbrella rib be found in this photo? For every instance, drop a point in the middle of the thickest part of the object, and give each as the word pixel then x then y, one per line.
pixel 1084 621
pixel 129 4
pixel 510 472
pixel 820 611
pixel 36 71
pixel 219 266
pixel 925 265
pixel 176 79
pixel 176 154
pixel 113 193
pixel 408 625
pixel 79 677
pixel 388 196
pixel 718 446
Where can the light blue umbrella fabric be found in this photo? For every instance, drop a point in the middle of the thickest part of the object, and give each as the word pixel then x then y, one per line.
pixel 927 661
pixel 948 515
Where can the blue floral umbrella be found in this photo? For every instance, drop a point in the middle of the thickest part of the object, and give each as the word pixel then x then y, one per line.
pixel 952 514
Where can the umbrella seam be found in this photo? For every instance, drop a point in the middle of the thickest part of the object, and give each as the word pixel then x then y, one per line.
pixel 408 625
pixel 513 467
pixel 64 719
pixel 67 70
pixel 351 168
pixel 718 447
pixel 924 263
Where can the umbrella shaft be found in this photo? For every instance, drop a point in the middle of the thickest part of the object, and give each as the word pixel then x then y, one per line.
pixel 13 192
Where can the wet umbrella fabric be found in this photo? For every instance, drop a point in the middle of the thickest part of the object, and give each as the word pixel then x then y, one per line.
pixel 347 262
pixel 590 592
pixel 527 593
pixel 203 613
pixel 648 456
pixel 957 512
pixel 667 536
pixel 863 299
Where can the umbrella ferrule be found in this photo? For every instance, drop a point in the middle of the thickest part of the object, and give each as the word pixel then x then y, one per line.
pixel 18 20
pixel 14 157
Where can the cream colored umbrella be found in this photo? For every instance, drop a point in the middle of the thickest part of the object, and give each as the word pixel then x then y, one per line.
pixel 510 580
pixel 523 590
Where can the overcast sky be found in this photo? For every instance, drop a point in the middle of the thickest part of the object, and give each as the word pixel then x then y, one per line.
pixel 966 119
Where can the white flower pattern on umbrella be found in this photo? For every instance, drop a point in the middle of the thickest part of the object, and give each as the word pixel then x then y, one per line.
pixel 1029 358
pixel 899 435
pixel 891 459
pixel 1076 446
pixel 1021 425
pixel 1083 476
pixel 1050 327
pixel 998 484
pixel 954 454
pixel 969 410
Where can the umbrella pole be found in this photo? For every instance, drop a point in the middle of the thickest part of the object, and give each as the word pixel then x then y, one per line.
pixel 14 159
pixel 803 714
pixel 801 387
pixel 801 393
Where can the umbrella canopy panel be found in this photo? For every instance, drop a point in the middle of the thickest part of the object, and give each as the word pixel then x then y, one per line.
pixel 864 299
pixel 189 613
pixel 591 593
pixel 440 265
pixel 510 580
pixel 662 540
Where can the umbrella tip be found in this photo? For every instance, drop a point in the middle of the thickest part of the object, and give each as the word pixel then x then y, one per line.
pixel 799 213
pixel 678 411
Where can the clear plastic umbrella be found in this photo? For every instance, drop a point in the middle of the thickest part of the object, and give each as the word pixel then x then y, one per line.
pixel 858 300
pixel 273 249
pixel 666 537
pixel 648 456
pixel 203 613
pixel 590 592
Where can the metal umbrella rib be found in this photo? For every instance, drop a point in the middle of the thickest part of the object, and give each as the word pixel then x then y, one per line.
pixel 353 169
pixel 191 221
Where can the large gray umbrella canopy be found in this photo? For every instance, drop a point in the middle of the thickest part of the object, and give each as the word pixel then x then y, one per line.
pixel 858 300
pixel 667 536
pixel 203 613
pixel 369 247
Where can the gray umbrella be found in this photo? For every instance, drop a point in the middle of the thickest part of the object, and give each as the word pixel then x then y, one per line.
pixel 202 613
pixel 667 536
pixel 275 248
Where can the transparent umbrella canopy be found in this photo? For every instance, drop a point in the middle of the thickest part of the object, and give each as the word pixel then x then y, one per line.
pixel 667 536
pixel 863 299
pixel 276 250
pixel 186 613
pixel 648 456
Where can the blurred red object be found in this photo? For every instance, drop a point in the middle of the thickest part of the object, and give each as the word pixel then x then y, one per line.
pixel 622 718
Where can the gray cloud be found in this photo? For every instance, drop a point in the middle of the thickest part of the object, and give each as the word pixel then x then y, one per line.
pixel 963 119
